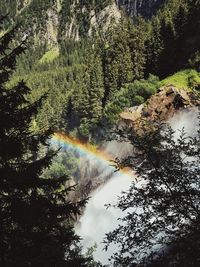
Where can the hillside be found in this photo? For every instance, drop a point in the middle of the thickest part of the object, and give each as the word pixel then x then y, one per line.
pixel 94 99
pixel 50 21
pixel 144 8
pixel 94 61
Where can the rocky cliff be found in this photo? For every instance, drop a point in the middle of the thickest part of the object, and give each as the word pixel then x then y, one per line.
pixel 145 8
pixel 49 21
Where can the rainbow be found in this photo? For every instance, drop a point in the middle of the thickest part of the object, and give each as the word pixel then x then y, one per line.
pixel 88 149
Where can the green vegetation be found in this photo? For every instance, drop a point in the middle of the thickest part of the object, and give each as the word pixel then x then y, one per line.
pixel 173 42
pixel 161 222
pixel 90 81
pixel 132 94
pixel 41 82
pixel 64 164
pixel 80 84
pixel 36 214
pixel 183 79
pixel 49 56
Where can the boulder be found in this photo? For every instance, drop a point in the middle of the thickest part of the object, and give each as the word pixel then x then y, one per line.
pixel 162 105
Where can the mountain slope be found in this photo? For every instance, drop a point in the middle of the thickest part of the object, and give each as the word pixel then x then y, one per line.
pixel 146 8
pixel 49 21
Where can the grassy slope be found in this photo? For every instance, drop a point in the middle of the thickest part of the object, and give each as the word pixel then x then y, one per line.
pixel 49 56
pixel 182 79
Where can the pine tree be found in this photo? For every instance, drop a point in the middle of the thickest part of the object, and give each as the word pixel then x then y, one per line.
pixel 80 96
pixel 174 37
pixel 168 36
pixel 95 87
pixel 36 216
pixel 154 47
pixel 117 61
pixel 93 96
pixel 137 39
pixel 190 32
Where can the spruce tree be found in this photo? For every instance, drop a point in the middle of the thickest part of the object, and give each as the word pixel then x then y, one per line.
pixel 36 215
pixel 95 87
pixel 168 37
pixel 117 61
pixel 88 93
pixel 138 35
pixel 154 47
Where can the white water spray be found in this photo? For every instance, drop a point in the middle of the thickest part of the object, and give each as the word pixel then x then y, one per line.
pixel 97 220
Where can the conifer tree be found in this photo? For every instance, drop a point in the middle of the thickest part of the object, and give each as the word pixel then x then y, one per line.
pixel 36 216
pixel 95 87
pixel 189 38
pixel 138 35
pixel 91 102
pixel 154 47
pixel 166 59
pixel 117 61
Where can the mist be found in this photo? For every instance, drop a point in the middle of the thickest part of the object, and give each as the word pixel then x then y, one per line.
pixel 187 120
pixel 97 220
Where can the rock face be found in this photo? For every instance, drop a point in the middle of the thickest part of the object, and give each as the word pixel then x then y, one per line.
pixel 52 20
pixel 164 104
pixel 146 8
pixel 91 20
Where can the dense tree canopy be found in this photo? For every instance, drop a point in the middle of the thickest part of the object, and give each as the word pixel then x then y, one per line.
pixel 106 61
pixel 36 215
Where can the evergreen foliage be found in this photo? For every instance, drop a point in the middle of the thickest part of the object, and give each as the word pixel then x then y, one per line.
pixel 137 38
pixel 117 63
pixel 125 52
pixel 89 81
pixel 36 216
pixel 132 94
pixel 88 94
pixel 174 37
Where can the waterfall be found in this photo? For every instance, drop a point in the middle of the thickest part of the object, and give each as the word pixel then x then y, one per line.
pixel 97 220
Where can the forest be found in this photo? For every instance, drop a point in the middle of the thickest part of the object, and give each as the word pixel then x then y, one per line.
pixel 80 86
pixel 119 57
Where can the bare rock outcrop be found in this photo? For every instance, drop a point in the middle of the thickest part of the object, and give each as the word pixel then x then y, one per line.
pixel 145 8
pixel 164 105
